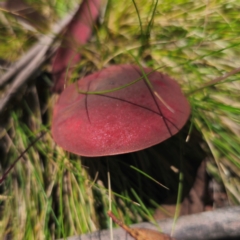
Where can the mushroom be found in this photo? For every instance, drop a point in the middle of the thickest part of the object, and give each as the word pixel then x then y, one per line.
pixel 120 121
pixel 78 31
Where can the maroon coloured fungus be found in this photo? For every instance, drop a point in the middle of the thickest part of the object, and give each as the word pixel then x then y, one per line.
pixel 77 33
pixel 121 121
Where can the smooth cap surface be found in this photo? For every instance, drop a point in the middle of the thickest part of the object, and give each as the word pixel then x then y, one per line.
pixel 122 121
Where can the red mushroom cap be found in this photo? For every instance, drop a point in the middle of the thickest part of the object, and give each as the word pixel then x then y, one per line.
pixel 122 121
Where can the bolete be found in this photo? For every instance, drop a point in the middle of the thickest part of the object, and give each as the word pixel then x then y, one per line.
pixel 129 119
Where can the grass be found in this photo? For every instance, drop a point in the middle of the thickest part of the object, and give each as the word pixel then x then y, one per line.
pixel 51 193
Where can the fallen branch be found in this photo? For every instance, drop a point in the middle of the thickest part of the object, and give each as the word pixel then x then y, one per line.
pixel 220 224
pixel 20 73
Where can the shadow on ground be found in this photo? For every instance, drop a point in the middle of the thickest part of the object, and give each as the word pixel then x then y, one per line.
pixel 163 163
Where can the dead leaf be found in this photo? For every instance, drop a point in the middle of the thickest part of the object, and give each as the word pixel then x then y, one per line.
pixel 140 233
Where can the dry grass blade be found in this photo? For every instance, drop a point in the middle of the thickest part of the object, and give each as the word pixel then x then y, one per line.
pixel 216 80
